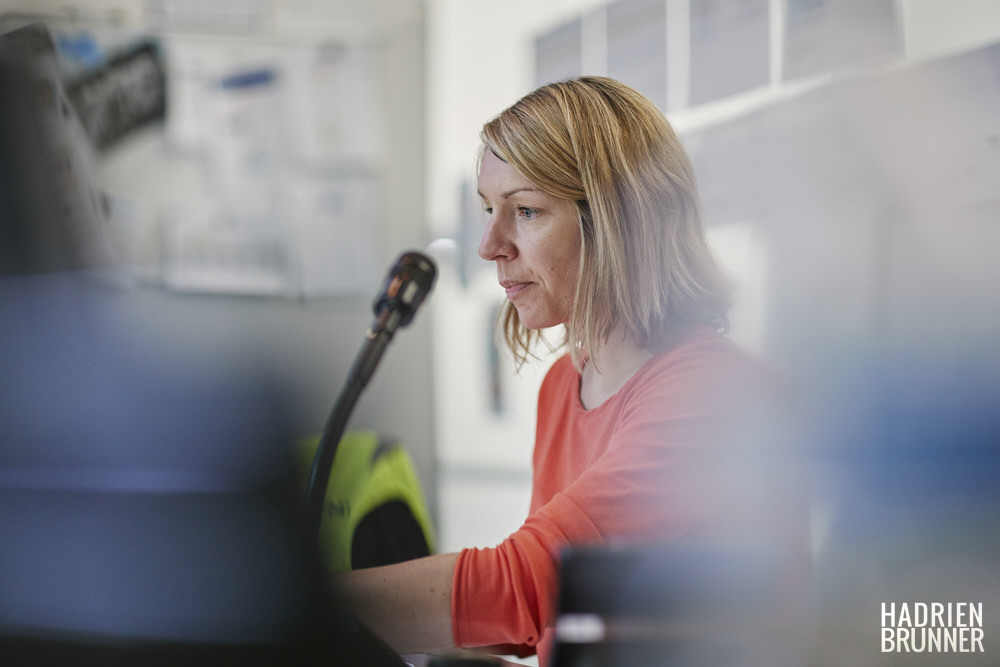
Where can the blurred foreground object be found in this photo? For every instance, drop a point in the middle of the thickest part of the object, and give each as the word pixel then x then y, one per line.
pixel 674 604
pixel 148 509
pixel 148 501
pixel 908 508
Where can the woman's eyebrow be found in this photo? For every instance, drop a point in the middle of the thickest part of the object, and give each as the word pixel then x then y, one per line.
pixel 508 193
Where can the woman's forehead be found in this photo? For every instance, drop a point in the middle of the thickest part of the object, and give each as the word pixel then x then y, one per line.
pixel 495 174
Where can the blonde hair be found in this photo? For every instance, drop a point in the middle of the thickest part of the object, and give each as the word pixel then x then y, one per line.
pixel 645 262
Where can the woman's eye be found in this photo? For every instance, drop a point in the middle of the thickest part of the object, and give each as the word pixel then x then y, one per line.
pixel 527 213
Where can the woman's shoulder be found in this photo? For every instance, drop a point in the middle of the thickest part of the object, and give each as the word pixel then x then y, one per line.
pixel 561 371
pixel 704 357
pixel 562 365
pixel 701 346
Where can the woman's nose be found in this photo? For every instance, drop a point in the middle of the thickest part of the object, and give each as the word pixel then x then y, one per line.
pixel 496 243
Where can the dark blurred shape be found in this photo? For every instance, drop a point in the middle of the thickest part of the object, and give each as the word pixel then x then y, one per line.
pixel 52 215
pixel 677 604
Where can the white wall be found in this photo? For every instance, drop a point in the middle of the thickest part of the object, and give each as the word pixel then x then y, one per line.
pixel 933 28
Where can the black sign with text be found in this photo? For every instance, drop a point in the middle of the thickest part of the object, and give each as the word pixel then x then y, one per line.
pixel 124 93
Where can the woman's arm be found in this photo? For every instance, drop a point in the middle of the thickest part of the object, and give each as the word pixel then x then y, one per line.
pixel 407 604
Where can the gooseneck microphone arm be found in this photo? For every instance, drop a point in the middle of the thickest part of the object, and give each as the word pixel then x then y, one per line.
pixel 406 286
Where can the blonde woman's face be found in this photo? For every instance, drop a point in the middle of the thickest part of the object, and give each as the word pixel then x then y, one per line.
pixel 534 238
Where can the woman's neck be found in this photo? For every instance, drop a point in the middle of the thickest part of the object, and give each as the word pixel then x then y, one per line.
pixel 616 362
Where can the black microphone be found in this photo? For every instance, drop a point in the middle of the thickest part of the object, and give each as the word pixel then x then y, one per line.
pixel 407 284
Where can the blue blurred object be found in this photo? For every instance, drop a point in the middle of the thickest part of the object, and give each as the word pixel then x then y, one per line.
pixel 138 500
pixel 80 47
pixel 907 458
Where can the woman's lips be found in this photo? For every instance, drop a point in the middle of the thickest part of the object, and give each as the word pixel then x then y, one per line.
pixel 513 289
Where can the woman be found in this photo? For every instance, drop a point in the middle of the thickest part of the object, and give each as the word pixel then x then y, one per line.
pixel 594 224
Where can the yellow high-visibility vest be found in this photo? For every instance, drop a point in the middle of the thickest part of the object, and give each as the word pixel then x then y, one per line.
pixel 374 511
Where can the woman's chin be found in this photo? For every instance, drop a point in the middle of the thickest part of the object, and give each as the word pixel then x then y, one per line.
pixel 533 322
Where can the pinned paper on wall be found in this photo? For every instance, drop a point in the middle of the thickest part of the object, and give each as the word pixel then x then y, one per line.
pixel 335 109
pixel 290 138
pixel 327 100
pixel 207 249
pixel 331 234
pixel 319 239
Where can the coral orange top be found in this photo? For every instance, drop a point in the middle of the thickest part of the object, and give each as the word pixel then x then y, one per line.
pixel 620 471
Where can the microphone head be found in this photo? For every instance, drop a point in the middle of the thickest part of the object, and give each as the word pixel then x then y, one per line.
pixel 409 281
